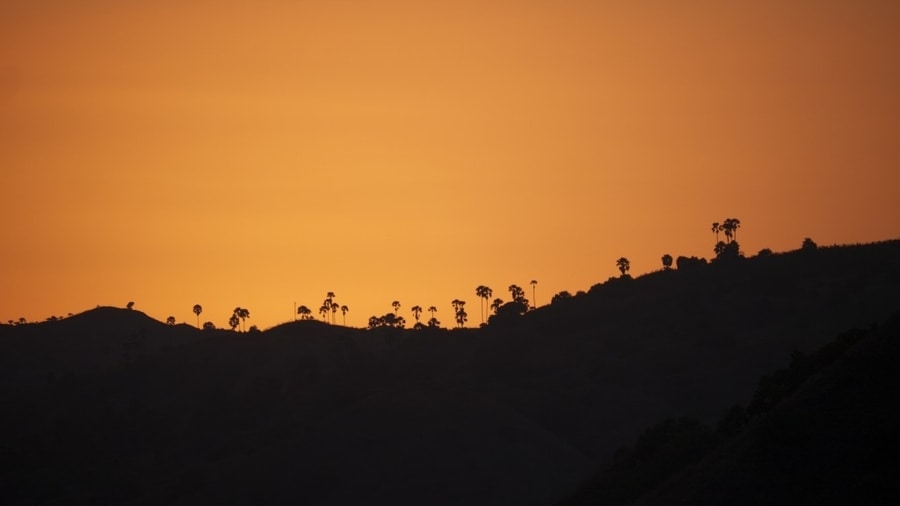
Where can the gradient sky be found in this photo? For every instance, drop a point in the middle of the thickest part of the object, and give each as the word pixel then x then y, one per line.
pixel 258 154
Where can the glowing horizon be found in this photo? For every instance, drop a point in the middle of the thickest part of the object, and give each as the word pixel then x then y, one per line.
pixel 175 153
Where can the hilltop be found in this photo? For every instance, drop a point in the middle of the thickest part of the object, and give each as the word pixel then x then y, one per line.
pixel 113 406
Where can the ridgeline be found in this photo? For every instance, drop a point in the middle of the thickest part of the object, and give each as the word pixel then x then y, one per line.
pixel 113 407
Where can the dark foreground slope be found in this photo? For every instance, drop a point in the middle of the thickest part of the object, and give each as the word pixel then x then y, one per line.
pixel 835 441
pixel 112 407
pixel 822 431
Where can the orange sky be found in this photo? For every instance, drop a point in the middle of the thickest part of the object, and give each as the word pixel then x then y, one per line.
pixel 182 152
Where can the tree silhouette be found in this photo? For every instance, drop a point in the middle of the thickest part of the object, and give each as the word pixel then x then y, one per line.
pixel 388 320
pixel 170 320
pixel 130 305
pixel 484 292
pixel 561 296
pixel 716 228
pixel 304 312
pixel 809 245
pixel 197 310
pixel 242 314
pixel 396 306
pixel 624 265
pixel 459 308
pixel 667 261
pixel 334 310
pixel 730 228
pixel 727 251
pixel 496 304
pixel 209 326
pixel 328 304
pixel 518 295
pixel 344 310
pixel 416 311
pixel 432 310
pixel 234 321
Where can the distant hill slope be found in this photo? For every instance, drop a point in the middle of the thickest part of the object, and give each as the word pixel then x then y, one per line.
pixel 113 407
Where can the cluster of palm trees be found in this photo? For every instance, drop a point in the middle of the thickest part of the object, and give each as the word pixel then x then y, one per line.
pixel 397 321
pixel 729 247
pixel 329 306
pixel 238 316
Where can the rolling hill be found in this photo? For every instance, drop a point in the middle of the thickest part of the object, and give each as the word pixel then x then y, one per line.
pixel 110 406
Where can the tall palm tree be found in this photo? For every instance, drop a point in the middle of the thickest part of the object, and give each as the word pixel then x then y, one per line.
pixel 459 307
pixel 533 299
pixel 329 303
pixel 323 310
pixel 344 310
pixel 416 311
pixel 432 310
pixel 485 293
pixel 334 309
pixel 735 224
pixel 197 310
pixel 396 306
pixel 243 315
pixel 716 228
pixel 624 265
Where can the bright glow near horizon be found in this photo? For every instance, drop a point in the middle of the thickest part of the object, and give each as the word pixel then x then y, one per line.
pixel 174 153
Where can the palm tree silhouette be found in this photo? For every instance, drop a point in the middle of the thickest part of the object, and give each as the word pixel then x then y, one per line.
pixel 716 228
pixel 243 314
pixel 518 295
pixel 396 305
pixel 730 228
pixel 334 310
pixel 484 292
pixel 304 312
pixel 344 310
pixel 197 310
pixel 496 304
pixel 624 265
pixel 329 305
pixel 234 321
pixel 432 310
pixel 416 311
pixel 533 299
pixel 459 307
pixel 323 310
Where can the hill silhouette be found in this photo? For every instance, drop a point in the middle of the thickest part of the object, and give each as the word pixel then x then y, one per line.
pixel 823 431
pixel 110 406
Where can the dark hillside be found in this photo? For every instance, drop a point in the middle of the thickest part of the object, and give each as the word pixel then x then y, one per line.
pixel 835 441
pixel 113 407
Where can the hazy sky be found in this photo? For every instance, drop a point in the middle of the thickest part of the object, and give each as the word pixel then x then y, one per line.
pixel 258 154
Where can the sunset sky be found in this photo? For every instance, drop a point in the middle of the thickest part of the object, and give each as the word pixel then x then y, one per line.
pixel 259 154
